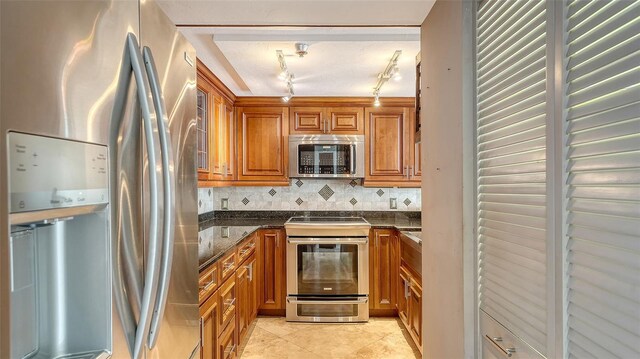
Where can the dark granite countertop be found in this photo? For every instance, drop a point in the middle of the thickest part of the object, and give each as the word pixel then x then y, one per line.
pixel 221 231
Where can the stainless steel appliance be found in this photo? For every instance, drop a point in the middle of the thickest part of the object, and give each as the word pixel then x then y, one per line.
pixel 327 269
pixel 98 193
pixel 329 156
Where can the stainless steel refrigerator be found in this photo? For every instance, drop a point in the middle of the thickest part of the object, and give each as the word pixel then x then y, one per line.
pixel 98 215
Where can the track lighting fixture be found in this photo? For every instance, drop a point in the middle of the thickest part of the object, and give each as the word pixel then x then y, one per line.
pixel 391 71
pixel 285 75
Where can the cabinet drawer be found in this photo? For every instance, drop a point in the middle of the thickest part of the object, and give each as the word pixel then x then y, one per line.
pixel 498 342
pixel 228 265
pixel 227 344
pixel 246 248
pixel 208 282
pixel 228 303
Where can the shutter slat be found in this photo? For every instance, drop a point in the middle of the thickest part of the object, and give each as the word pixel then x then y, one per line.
pixel 509 237
pixel 617 129
pixel 611 146
pixel 530 200
pixel 624 241
pixel 605 162
pixel 614 208
pixel 520 220
pixel 611 224
pixel 615 115
pixel 513 179
pixel 606 178
pixel 533 211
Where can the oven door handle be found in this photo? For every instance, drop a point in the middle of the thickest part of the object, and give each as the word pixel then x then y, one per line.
pixel 328 241
pixel 346 301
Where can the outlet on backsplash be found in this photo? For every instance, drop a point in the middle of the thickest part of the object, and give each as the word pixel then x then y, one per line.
pixel 224 203
pixel 393 203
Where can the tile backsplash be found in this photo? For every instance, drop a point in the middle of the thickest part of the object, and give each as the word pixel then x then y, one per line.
pixel 309 195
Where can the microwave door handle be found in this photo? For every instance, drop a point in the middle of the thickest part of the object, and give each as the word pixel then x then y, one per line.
pixel 134 334
pixel 168 175
pixel 352 160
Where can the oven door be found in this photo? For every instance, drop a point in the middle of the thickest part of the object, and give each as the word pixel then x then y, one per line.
pixel 327 309
pixel 321 266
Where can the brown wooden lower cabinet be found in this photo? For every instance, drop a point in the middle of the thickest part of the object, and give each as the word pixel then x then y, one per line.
pixel 273 271
pixel 383 264
pixel 410 304
pixel 247 291
pixel 209 329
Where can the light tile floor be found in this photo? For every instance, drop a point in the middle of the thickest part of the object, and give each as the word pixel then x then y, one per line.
pixel 380 338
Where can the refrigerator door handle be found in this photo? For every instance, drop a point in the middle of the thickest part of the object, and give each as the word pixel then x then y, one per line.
pixel 132 63
pixel 169 197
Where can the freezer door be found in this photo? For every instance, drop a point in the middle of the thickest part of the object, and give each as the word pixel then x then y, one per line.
pixel 60 62
pixel 178 329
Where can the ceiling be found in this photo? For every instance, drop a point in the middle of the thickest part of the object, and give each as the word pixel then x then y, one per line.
pixel 342 60
pixel 297 12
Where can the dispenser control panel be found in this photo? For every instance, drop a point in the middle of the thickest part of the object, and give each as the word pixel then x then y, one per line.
pixel 46 173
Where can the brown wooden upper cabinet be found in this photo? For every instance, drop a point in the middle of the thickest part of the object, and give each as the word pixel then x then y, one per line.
pixel 390 147
pixel 326 120
pixel 263 144
pixel 216 131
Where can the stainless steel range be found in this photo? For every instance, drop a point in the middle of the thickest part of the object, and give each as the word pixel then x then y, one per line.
pixel 327 269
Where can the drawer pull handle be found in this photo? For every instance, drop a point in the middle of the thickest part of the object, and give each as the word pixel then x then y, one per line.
pixel 495 340
pixel 208 285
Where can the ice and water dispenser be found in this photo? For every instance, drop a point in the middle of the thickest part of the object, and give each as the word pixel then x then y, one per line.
pixel 60 277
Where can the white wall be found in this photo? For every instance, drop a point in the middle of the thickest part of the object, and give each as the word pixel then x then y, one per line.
pixel 447 211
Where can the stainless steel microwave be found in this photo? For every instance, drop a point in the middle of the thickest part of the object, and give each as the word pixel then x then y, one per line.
pixel 326 156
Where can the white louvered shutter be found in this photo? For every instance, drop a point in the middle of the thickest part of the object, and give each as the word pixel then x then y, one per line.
pixel 603 183
pixel 511 154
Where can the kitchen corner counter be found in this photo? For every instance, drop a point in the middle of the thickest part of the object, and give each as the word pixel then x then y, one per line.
pixel 223 230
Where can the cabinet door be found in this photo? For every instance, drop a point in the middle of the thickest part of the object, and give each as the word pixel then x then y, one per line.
pixel 218 146
pixel 250 265
pixel 227 343
pixel 415 312
pixel 209 328
pixel 229 136
pixel 262 143
pixel 385 135
pixel 274 272
pixel 345 120
pixel 203 131
pixel 403 297
pixel 307 120
pixel 243 302
pixel 223 140
pixel 385 270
